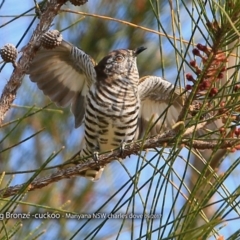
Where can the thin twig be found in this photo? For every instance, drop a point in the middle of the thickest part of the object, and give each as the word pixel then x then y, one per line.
pixel 28 52
pixel 131 25
pixel 165 139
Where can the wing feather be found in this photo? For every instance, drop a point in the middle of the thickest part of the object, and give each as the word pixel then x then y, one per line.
pixel 155 94
pixel 64 74
pixel 161 103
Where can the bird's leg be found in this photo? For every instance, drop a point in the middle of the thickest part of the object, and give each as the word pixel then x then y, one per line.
pixel 96 157
pixel 94 174
pixel 122 148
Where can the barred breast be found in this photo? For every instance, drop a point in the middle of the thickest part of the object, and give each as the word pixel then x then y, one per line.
pixel 111 116
pixel 112 103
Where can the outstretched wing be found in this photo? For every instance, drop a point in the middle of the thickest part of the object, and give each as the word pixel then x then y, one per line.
pixel 159 102
pixel 64 74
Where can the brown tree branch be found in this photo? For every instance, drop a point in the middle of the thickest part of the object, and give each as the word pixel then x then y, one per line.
pixel 28 52
pixel 166 139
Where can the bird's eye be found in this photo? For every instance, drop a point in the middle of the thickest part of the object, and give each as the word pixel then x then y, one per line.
pixel 119 58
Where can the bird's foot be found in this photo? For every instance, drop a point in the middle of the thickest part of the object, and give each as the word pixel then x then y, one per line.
pixel 94 174
pixel 122 148
pixel 96 157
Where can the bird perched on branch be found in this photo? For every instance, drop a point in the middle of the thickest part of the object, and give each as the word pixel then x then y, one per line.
pixel 107 98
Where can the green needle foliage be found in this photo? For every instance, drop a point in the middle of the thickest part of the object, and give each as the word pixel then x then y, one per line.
pixel 178 190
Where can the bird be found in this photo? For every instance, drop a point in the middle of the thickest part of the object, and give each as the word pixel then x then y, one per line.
pixel 109 99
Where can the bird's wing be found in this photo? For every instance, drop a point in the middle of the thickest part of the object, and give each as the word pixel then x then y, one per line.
pixel 65 74
pixel 159 101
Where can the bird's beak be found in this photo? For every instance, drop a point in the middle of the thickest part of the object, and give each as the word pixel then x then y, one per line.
pixel 139 50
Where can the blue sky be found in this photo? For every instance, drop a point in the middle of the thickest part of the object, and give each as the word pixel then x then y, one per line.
pixel 11 33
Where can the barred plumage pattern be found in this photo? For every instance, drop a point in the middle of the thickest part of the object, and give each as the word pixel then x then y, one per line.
pixel 112 104
pixel 104 97
pixel 85 63
pixel 108 99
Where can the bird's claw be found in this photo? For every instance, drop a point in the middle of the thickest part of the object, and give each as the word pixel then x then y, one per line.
pixel 96 157
pixel 95 173
pixel 122 148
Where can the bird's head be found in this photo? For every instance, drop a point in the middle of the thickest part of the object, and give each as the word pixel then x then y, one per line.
pixel 119 65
